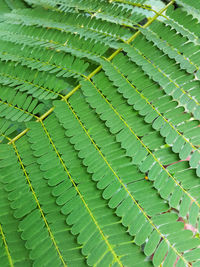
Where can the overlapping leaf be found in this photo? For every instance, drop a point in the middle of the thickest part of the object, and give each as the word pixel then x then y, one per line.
pixel 101 116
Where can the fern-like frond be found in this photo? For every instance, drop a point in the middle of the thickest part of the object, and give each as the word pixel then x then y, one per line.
pixel 112 12
pixel 170 79
pixel 48 74
pixel 150 105
pixel 99 107
pixel 71 44
pixel 174 45
pixel 146 159
pixel 109 33
pixel 20 81
pixel 95 165
pixel 78 192
pixel 184 24
pixel 17 106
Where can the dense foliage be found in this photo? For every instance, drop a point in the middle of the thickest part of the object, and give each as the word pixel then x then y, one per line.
pixel 99 132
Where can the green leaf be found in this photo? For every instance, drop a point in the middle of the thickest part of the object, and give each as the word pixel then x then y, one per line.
pixel 99 132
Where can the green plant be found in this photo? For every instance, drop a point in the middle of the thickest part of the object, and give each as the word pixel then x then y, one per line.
pixel 99 107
